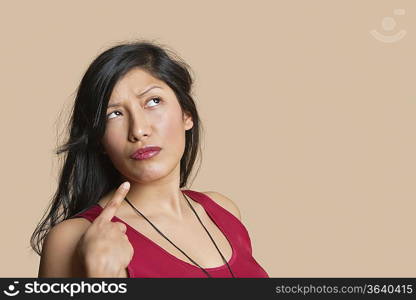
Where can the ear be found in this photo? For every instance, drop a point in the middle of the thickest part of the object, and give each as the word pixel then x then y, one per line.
pixel 188 123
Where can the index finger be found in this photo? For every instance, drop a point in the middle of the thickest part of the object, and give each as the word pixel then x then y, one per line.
pixel 111 207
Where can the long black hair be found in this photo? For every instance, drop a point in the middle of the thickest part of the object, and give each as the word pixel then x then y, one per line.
pixel 87 174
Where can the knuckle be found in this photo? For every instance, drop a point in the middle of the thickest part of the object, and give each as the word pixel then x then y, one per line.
pixel 100 222
pixel 112 204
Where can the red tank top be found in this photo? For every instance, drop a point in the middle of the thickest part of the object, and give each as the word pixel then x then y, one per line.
pixel 152 261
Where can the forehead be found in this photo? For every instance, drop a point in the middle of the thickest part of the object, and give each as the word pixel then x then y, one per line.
pixel 134 82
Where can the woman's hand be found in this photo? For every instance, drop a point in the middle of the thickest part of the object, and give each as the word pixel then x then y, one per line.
pixel 105 248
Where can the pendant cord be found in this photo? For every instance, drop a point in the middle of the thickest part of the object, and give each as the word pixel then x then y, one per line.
pixel 215 244
pixel 208 275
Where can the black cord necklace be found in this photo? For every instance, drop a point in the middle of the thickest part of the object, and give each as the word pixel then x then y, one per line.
pixel 232 274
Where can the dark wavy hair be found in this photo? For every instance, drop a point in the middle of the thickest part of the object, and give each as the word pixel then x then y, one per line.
pixel 87 174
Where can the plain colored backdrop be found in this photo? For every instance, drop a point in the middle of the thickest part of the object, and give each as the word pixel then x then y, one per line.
pixel 309 120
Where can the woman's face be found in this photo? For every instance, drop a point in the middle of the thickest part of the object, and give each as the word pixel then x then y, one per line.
pixel 153 118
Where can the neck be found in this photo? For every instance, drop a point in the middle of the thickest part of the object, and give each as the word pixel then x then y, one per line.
pixel 161 197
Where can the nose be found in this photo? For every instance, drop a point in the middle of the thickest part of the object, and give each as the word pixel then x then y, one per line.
pixel 139 127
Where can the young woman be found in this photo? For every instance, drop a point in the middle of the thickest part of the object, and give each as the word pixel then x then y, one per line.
pixel 134 121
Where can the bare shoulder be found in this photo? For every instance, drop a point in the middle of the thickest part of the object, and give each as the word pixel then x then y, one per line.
pixel 225 202
pixel 58 257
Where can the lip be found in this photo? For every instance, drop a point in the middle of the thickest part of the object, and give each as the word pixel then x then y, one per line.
pixel 145 152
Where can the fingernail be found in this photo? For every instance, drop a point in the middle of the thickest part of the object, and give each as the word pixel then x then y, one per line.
pixel 125 185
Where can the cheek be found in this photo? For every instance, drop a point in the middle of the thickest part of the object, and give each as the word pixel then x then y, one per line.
pixel 112 140
pixel 173 131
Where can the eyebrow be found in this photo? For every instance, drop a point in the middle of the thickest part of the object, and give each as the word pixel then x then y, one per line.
pixel 139 95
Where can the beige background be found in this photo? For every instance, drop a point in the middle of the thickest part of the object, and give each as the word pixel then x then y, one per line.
pixel 310 120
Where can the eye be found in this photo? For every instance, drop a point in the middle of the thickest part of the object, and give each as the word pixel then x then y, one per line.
pixel 116 111
pixel 158 100
pixel 155 98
